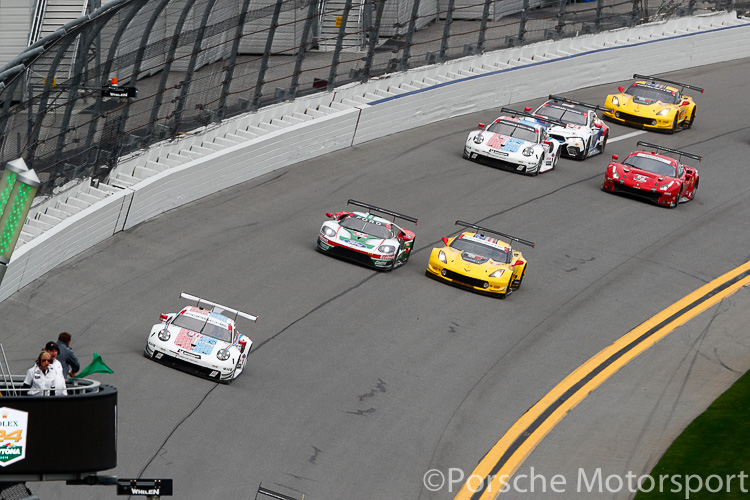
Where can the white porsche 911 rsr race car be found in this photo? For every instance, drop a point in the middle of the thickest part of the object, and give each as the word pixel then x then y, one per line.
pixel 367 238
pixel 201 341
pixel 519 143
pixel 582 132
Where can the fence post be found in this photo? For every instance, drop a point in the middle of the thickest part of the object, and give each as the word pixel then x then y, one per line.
pixel 447 30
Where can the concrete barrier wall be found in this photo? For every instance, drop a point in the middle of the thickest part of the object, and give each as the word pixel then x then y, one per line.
pixel 216 157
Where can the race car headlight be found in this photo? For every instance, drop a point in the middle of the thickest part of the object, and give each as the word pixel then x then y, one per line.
pixel 665 187
pixel 387 249
pixel 164 335
pixel 497 273
pixel 223 354
pixel 615 173
pixel 327 231
pixel 441 257
pixel 615 101
pixel 478 139
pixel 528 151
pixel 663 112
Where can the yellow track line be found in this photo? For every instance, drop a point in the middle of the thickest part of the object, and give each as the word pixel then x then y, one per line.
pixel 509 453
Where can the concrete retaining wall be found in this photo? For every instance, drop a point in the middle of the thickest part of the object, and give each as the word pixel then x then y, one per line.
pixel 177 172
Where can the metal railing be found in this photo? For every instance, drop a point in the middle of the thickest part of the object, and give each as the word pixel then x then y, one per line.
pixel 12 385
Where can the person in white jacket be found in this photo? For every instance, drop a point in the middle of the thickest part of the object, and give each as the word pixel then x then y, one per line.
pixel 41 380
pixel 53 350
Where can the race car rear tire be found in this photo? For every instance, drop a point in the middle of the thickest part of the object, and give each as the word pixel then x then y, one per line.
pixel 689 123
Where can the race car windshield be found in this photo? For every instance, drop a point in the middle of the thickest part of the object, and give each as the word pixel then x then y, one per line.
pixel 513 130
pixel 562 114
pixel 367 227
pixel 494 253
pixel 652 165
pixel 203 327
pixel 652 94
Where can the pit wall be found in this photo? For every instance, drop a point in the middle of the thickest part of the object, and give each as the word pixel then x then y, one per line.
pixel 216 157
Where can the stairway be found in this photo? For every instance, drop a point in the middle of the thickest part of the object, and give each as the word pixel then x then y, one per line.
pixel 57 14
pixel 332 12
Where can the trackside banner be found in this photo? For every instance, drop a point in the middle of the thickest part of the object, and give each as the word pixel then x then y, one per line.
pixel 13 431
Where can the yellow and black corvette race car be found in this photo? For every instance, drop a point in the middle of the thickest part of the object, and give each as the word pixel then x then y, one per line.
pixel 653 103
pixel 479 262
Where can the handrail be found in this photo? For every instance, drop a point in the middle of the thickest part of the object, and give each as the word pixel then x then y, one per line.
pixel 11 385
pixel 40 11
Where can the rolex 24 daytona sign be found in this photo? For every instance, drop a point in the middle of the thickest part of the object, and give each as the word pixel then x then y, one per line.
pixel 13 428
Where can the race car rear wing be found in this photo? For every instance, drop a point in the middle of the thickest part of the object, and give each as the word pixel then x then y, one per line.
pixel 578 103
pixel 551 121
pixel 218 307
pixel 669 150
pixel 485 230
pixel 383 211
pixel 654 79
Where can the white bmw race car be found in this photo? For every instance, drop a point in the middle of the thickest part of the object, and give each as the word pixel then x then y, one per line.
pixel 201 341
pixel 367 238
pixel 582 132
pixel 519 143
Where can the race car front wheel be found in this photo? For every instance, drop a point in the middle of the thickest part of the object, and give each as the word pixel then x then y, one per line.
pixel 585 152
pixel 673 129
pixel 690 122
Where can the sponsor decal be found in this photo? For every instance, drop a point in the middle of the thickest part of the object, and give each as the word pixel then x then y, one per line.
pixel 188 353
pixel 641 178
pixel 354 243
pixel 13 432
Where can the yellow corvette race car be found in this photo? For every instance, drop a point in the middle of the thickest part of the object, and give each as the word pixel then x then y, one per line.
pixel 478 262
pixel 653 103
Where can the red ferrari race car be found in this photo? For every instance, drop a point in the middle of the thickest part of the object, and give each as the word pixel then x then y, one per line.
pixel 654 176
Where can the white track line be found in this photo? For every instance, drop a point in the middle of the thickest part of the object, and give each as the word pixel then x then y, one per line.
pixel 627 136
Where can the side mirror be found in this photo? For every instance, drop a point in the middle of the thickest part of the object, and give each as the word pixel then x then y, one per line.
pixel 685 103
pixel 163 318
pixel 445 240
pixel 517 263
pixel 481 125
pixel 527 108
pixel 615 157
pixel 242 345
pixel 329 215
pixel 598 124
pixel 621 89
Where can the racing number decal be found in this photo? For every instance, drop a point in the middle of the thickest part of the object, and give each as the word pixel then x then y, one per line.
pixel 11 436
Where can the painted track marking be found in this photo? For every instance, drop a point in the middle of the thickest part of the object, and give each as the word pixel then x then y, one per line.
pixel 509 453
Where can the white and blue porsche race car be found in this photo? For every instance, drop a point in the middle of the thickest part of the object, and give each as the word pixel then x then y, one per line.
pixel 201 341
pixel 519 143
pixel 582 132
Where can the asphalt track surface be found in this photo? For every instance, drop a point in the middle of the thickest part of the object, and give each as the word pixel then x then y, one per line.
pixel 360 382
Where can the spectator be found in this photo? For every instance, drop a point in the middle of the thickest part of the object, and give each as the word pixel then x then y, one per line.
pixel 54 351
pixel 67 358
pixel 40 379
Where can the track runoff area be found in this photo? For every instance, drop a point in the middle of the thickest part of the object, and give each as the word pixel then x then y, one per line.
pixel 493 474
